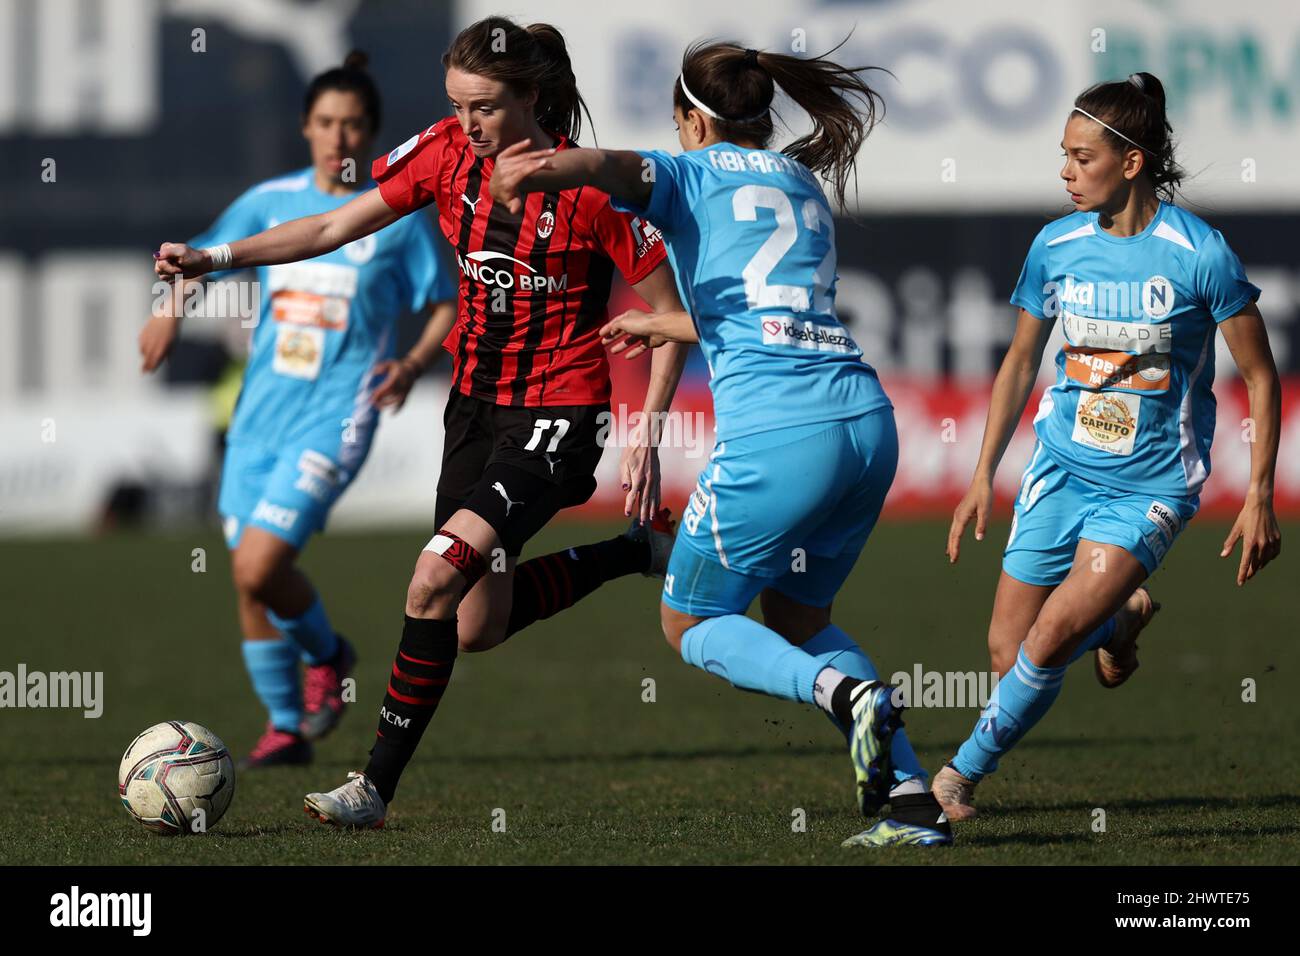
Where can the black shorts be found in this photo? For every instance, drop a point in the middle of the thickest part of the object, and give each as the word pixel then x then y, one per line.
pixel 516 467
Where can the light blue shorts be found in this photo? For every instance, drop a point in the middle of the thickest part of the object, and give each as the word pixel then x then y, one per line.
pixel 286 493
pixel 1055 508
pixel 788 509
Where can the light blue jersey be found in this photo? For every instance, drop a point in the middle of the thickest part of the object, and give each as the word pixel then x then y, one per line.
pixel 304 421
pixel 752 243
pixel 1132 407
pixel 325 322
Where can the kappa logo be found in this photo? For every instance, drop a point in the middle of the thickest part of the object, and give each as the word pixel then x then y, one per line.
pixel 500 489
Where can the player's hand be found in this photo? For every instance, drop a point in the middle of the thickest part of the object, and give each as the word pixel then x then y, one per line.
pixel 1260 536
pixel 399 378
pixel 977 504
pixel 156 340
pixel 632 331
pixel 639 469
pixel 178 259
pixel 513 165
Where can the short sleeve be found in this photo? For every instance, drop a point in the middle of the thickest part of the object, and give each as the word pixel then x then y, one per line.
pixel 428 281
pixel 1032 292
pixel 246 216
pixel 665 172
pixel 408 175
pixel 632 242
pixel 1221 283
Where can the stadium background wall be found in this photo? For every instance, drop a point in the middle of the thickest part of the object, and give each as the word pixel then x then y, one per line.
pixel 184 105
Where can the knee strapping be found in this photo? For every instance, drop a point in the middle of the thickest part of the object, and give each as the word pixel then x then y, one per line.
pixel 457 552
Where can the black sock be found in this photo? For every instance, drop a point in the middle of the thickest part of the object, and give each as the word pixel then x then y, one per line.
pixel 921 809
pixel 843 699
pixel 547 585
pixel 420 675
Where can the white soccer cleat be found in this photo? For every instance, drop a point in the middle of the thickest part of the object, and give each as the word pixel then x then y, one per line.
pixel 356 804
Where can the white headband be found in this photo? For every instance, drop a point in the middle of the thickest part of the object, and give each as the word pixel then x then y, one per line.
pixel 1108 126
pixel 681 78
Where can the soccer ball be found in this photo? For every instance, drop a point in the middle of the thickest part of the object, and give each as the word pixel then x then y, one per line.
pixel 176 777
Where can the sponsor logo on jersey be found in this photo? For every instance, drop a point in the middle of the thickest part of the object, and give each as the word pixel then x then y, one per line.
pixel 1114 336
pixel 298 351
pixel 1143 373
pixel 1152 299
pixel 646 234
pixel 1157 297
pixel 808 335
pixel 1107 422
pixel 545 224
pixel 486 266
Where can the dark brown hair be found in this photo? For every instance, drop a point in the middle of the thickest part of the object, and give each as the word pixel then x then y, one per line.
pixel 740 84
pixel 1136 108
pixel 351 77
pixel 524 58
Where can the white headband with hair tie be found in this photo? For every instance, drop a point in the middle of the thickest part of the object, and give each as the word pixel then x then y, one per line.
pixel 1113 130
pixel 681 78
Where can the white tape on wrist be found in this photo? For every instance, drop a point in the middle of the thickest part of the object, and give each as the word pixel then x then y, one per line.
pixel 221 256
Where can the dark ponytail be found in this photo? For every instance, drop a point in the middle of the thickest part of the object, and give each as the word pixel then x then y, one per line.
pixel 740 85
pixel 524 58
pixel 1136 108
pixel 351 77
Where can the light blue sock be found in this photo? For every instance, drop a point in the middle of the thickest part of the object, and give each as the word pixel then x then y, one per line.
pixel 751 657
pixel 836 649
pixel 273 667
pixel 1020 700
pixel 1098 638
pixel 311 632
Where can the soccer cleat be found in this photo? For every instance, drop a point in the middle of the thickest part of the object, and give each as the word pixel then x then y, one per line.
pixel 277 748
pixel 915 819
pixel 659 535
pixel 875 718
pixel 954 793
pixel 323 692
pixel 1116 662
pixel 355 805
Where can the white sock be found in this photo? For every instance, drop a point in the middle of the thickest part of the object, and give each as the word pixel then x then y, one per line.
pixel 828 678
pixel 910 785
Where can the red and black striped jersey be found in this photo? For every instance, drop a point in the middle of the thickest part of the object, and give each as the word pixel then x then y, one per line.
pixel 534 288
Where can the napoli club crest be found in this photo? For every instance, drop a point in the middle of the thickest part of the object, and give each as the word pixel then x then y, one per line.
pixel 545 224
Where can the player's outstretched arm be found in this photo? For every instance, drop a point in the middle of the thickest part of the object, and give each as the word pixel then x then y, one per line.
pixel 288 242
pixel 1256 526
pixel 519 170
pixel 1011 388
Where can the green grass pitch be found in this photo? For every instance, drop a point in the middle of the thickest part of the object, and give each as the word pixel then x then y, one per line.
pixel 552 729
